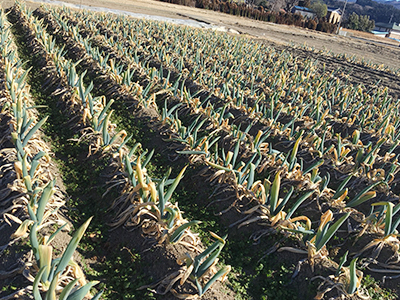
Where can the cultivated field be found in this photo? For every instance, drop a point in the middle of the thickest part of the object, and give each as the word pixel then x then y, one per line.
pixel 144 160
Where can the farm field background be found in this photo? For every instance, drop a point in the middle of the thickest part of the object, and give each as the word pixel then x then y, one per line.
pixel 196 156
pixel 376 52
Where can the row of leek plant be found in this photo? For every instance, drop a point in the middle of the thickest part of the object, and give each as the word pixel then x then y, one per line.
pixel 119 46
pixel 315 250
pixel 341 153
pixel 320 113
pixel 363 158
pixel 217 117
pixel 244 171
pixel 189 136
pixel 95 110
pixel 54 276
pixel 337 153
pixel 248 170
pixel 147 200
pixel 320 246
pixel 357 198
pixel 153 75
pixel 366 157
pixel 274 212
pixel 323 85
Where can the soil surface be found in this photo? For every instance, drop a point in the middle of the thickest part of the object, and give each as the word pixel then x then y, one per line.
pixel 374 49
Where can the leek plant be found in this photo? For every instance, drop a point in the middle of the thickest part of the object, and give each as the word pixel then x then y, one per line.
pixel 347 281
pixel 315 242
pixel 272 207
pixel 387 227
pixel 51 270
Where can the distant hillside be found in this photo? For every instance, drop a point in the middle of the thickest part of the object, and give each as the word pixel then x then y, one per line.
pixel 396 4
pixel 379 12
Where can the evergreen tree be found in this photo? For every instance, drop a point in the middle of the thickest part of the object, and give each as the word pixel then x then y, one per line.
pixel 319 8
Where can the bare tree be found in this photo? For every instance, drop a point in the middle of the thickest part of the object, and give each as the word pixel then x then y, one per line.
pixel 290 4
pixel 251 2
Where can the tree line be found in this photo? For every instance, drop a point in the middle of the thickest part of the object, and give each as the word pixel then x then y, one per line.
pixel 260 13
pixel 361 15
